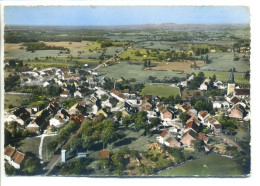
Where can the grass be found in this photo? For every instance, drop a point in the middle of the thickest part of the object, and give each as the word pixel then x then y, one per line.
pixel 160 90
pixel 46 154
pixel 224 76
pixel 15 100
pixel 136 71
pixel 212 165
pixel 224 61
pixel 29 145
pixel 131 53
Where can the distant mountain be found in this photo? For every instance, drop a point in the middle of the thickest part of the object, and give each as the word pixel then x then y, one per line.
pixel 145 27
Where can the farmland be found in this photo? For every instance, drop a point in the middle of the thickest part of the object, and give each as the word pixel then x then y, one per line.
pixel 224 61
pixel 184 66
pixel 136 71
pixel 29 145
pixel 224 76
pixel 212 165
pixel 160 90
pixel 12 100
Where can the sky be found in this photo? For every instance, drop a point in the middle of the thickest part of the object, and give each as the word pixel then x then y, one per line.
pixel 124 15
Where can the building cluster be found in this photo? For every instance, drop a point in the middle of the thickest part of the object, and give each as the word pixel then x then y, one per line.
pixel 96 102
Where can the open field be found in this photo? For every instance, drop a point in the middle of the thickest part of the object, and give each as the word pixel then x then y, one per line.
pixel 136 71
pixel 160 90
pixel 184 66
pixel 161 45
pixel 224 76
pixel 131 53
pixel 212 165
pixel 46 154
pixel 29 145
pixel 15 100
pixel 224 61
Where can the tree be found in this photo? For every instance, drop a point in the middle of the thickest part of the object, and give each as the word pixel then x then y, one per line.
pixel 119 115
pixel 107 135
pixel 184 117
pixel 30 166
pixel 177 98
pixel 214 78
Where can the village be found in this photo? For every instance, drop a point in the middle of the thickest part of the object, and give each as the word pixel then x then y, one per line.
pixel 193 120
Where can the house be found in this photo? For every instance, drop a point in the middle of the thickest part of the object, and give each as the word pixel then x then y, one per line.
pixel 203 86
pixel 191 125
pixel 57 121
pixel 131 108
pixel 119 96
pixel 103 112
pixel 103 154
pixel 189 138
pixel 22 113
pixel 213 124
pixel 237 112
pixel 203 116
pixel 13 157
pixel 162 137
pixel 145 106
pixel 9 152
pixel 207 148
pixel 79 118
pixel 65 94
pixel 242 92
pixel 179 107
pixel 53 106
pixel 186 107
pixel 166 114
pixel 33 127
pixel 172 142
pixel 11 117
pixel 235 100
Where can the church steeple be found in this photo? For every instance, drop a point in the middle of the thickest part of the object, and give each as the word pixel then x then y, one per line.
pixel 231 77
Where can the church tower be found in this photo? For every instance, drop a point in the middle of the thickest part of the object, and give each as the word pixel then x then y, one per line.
pixel 231 83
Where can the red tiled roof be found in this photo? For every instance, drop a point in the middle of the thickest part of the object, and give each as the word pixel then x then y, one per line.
pixel 18 157
pixel 65 92
pixel 242 91
pixel 113 91
pixel 79 118
pixel 201 134
pixel 235 100
pixel 104 154
pixel 217 126
pixel 204 113
pixel 205 138
pixel 9 150
pixel 186 107
pixel 192 125
pixel 212 120
pixel 164 132
pixel 207 146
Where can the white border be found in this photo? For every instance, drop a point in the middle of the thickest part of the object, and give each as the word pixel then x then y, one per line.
pixel 255 64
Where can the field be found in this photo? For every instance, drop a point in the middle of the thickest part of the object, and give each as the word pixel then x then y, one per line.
pixel 184 66
pixel 136 71
pixel 212 165
pixel 131 53
pixel 160 90
pixel 15 100
pixel 224 61
pixel 162 45
pixel 29 145
pixel 224 76
pixel 46 154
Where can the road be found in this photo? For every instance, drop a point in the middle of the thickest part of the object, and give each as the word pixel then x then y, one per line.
pixel 231 142
pixel 52 164
pixel 41 143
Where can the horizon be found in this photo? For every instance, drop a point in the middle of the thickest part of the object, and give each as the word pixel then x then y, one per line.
pixel 124 15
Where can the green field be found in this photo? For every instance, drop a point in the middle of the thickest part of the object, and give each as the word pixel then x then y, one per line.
pixel 46 154
pixel 136 71
pixel 29 145
pixel 224 61
pixel 224 76
pixel 131 53
pixel 160 90
pixel 212 165
pixel 15 100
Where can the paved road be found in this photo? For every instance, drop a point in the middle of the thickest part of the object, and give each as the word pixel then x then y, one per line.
pixel 41 143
